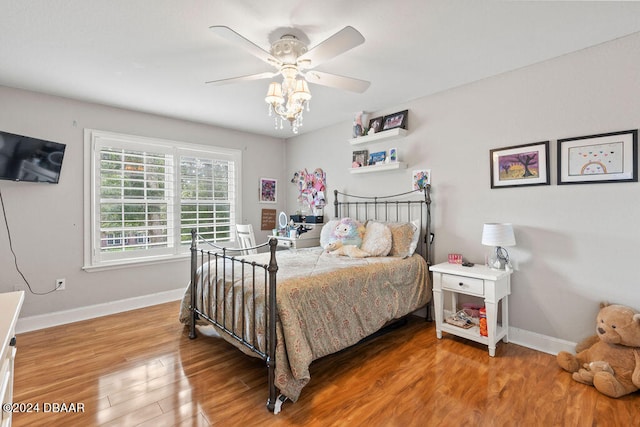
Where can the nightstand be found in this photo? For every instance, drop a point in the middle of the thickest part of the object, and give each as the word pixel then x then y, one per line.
pixel 494 286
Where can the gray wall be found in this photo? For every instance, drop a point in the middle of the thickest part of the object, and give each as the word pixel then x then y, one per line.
pixel 577 245
pixel 46 221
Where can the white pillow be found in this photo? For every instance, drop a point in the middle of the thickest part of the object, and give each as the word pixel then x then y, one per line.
pixel 416 237
pixel 377 239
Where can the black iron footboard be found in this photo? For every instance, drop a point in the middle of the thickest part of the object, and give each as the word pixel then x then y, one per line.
pixel 248 273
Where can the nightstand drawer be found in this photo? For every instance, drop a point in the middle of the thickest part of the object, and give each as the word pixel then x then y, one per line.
pixel 467 285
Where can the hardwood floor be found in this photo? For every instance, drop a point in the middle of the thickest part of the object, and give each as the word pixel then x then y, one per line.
pixel 140 368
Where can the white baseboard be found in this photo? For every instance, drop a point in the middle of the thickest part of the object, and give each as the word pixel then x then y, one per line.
pixel 517 336
pixel 32 323
pixel 539 342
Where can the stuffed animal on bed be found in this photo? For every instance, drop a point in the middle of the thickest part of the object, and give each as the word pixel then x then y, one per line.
pixel 346 238
pixel 352 251
pixel 611 361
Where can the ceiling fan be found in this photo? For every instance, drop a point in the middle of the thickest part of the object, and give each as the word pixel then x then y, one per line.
pixel 295 62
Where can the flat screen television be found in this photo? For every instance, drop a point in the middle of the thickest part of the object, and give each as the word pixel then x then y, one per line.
pixel 23 158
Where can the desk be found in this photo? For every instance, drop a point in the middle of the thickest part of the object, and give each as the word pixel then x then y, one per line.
pixel 308 239
pixel 287 242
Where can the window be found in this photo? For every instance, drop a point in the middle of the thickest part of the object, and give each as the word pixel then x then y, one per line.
pixel 146 195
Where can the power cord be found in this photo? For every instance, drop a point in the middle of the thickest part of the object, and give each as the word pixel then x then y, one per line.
pixel 15 258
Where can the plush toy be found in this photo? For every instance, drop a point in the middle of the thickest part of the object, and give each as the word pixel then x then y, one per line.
pixel 352 251
pixel 611 363
pixel 346 238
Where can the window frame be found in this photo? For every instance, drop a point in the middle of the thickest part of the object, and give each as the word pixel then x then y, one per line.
pixel 94 140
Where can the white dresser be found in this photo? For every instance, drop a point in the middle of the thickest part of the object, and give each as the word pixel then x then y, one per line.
pixel 10 305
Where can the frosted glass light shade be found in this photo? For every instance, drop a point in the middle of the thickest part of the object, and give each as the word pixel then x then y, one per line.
pixel 495 234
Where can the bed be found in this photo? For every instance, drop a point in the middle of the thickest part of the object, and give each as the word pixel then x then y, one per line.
pixel 292 307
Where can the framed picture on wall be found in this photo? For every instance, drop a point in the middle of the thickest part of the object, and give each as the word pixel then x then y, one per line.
pixel 520 165
pixel 604 158
pixel 420 178
pixel 268 193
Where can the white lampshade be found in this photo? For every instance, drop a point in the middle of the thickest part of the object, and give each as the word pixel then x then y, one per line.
pixel 302 90
pixel 274 94
pixel 494 234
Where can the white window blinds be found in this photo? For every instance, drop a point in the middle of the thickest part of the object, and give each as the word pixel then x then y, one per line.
pixel 148 194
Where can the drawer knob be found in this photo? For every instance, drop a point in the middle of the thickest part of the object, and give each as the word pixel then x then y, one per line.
pixel 461 284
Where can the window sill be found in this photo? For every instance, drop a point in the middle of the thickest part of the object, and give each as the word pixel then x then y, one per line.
pixel 137 262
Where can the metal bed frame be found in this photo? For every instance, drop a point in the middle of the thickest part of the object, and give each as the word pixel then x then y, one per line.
pixel 364 208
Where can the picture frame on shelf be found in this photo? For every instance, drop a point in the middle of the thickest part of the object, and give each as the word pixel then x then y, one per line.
pixel 268 190
pixel 420 178
pixel 377 158
pixel 395 120
pixel 375 125
pixel 598 159
pixel 393 155
pixel 520 165
pixel 359 158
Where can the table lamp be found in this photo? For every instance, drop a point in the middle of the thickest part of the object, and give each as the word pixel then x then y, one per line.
pixel 498 235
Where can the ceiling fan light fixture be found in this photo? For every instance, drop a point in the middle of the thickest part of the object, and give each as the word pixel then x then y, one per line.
pixel 274 94
pixel 293 59
pixel 288 101
pixel 302 91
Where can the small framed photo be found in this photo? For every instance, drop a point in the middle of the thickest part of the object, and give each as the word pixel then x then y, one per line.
pixel 520 165
pixel 359 158
pixel 375 125
pixel 393 155
pixel 420 178
pixel 268 193
pixel 395 120
pixel 604 158
pixel 377 157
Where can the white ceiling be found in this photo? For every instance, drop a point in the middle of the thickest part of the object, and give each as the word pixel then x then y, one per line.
pixel 155 55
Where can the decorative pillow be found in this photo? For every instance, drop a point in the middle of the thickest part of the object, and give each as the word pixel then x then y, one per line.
pixel 347 231
pixel 377 239
pixel 405 236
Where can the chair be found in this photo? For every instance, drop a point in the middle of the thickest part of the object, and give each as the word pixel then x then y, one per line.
pixel 246 238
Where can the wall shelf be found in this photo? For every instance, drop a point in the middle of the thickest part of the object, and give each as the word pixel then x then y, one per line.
pixel 379 168
pixel 379 136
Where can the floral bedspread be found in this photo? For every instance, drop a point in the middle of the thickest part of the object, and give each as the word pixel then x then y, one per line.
pixel 325 304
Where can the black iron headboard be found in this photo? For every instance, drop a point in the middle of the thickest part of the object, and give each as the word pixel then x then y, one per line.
pixel 402 207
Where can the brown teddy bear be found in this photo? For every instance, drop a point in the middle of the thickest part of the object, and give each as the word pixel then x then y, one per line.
pixel 609 361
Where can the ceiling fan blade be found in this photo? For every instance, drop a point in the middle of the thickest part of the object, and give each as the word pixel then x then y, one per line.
pixel 230 35
pixel 340 42
pixel 250 77
pixel 336 81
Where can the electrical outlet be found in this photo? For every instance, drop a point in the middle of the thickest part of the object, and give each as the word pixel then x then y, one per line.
pixel 60 284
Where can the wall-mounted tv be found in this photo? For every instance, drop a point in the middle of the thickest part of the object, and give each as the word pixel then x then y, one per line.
pixel 23 158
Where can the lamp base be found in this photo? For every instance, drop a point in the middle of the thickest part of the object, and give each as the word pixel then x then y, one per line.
pixel 500 260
